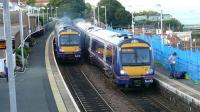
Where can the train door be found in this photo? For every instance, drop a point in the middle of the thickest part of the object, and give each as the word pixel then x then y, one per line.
pixel 109 60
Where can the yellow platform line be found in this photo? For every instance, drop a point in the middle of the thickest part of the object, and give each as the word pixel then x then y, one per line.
pixel 57 96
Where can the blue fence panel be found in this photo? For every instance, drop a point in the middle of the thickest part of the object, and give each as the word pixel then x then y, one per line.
pixel 187 60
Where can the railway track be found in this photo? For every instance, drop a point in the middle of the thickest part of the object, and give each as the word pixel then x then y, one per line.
pixel 145 100
pixel 86 95
pixel 149 101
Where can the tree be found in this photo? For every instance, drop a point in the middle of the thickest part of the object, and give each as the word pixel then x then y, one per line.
pixel 71 8
pixel 88 11
pixel 116 13
pixel 30 2
pixel 174 24
pixel 123 18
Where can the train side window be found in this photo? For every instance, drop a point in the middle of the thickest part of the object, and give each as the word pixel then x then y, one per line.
pixel 100 49
pixel 93 48
pixel 109 54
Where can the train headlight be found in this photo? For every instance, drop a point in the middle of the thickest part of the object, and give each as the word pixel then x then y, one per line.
pixel 122 72
pixel 150 71
pixel 61 50
pixel 78 49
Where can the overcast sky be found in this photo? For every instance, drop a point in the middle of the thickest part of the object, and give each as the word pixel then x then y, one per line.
pixel 184 10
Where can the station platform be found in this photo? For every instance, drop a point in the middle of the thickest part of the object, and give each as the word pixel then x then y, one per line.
pixel 185 89
pixel 37 90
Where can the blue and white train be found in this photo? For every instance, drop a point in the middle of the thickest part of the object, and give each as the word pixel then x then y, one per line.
pixel 129 61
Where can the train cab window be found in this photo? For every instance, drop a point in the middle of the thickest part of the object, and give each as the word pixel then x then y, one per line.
pixel 135 56
pixel 143 55
pixel 109 54
pixel 69 40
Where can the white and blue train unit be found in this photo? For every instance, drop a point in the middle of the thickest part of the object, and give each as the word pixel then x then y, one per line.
pixel 127 60
pixel 67 41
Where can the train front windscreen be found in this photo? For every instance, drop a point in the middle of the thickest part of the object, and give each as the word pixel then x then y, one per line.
pixel 135 56
pixel 69 40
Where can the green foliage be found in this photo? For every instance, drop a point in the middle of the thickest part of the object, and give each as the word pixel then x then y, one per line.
pixel 26 51
pixel 174 23
pixel 123 17
pixel 30 2
pixel 157 63
pixel 71 8
pixel 198 43
pixel 196 35
pixel 116 13
pixel 88 11
pixel 187 76
pixel 145 13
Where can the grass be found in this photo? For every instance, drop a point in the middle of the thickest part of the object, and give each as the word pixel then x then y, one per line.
pixel 157 63
pixel 197 82
pixel 187 76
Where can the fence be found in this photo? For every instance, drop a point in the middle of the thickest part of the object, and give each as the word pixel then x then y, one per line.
pixel 187 60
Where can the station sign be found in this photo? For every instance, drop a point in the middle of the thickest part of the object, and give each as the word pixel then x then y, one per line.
pixel 2 44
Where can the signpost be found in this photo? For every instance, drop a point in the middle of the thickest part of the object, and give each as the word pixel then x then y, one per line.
pixel 9 55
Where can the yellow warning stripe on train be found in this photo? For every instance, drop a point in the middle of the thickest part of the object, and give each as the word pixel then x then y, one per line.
pixel 129 45
pixel 68 33
pixel 136 70
pixel 70 49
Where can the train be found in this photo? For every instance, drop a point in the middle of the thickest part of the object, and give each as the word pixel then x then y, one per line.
pixel 67 41
pixel 128 61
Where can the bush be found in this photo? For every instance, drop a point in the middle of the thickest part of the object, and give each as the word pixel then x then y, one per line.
pixel 27 51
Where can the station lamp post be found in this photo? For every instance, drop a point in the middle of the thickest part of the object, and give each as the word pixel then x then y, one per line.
pixel 161 23
pixel 43 14
pixel 38 10
pixel 47 15
pixel 56 12
pixel 105 15
pixel 9 55
pixel 21 32
pixel 52 11
pixel 132 23
pixel 132 19
pixel 29 23
pixel 98 23
pixel 94 16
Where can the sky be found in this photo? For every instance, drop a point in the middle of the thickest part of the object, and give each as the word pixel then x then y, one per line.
pixel 185 11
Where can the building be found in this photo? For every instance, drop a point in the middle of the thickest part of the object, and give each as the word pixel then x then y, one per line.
pixel 153 17
pixel 139 18
pixel 180 40
pixel 15 28
pixel 195 28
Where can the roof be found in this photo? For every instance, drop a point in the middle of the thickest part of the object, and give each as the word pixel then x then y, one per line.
pixel 102 34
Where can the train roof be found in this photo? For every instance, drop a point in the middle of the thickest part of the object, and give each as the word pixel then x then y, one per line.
pixel 109 36
pixel 65 24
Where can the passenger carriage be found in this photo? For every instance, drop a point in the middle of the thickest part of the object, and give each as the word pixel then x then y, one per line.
pixel 128 60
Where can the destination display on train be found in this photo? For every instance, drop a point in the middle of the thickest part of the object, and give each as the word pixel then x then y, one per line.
pixel 128 50
pixel 3 44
